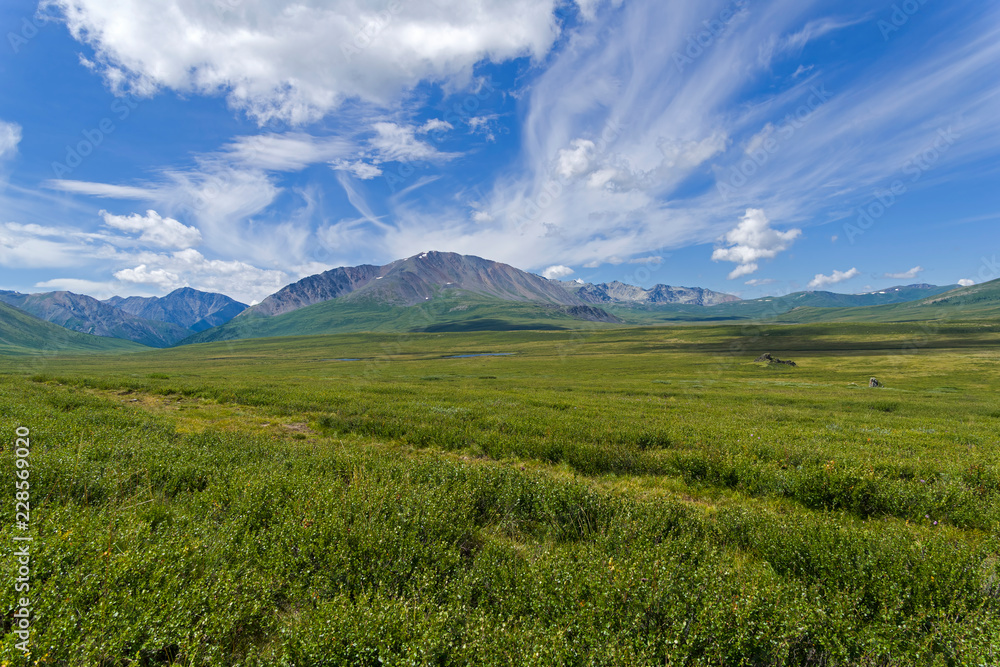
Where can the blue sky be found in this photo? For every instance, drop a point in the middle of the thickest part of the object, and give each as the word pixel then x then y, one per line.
pixel 749 146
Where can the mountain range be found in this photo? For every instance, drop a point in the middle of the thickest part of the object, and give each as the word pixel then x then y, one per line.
pixel 154 321
pixel 440 291
pixel 186 307
pixel 21 333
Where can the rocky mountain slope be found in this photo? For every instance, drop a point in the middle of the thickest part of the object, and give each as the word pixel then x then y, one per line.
pixel 410 281
pixel 23 333
pixel 186 307
pixel 623 294
pixel 86 314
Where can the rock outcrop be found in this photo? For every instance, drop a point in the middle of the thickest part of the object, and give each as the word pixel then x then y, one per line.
pixel 773 360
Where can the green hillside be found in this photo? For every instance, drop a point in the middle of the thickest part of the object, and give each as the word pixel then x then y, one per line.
pixel 772 307
pixel 21 333
pixel 978 302
pixel 451 311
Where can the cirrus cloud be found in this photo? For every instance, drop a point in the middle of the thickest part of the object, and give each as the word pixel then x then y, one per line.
pixel 10 137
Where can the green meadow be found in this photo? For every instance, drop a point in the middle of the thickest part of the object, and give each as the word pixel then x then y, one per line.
pixel 643 496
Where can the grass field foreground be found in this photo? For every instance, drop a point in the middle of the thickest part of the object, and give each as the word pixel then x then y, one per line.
pixel 611 497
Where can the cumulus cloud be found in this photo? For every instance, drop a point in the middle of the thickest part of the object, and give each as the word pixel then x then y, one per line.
pixel 836 277
pixel 155 229
pixel 751 240
pixel 298 62
pixel 361 169
pixel 189 267
pixel 143 275
pixel 760 282
pixel 965 282
pixel 10 137
pixel 556 272
pixel 575 161
pixel 905 275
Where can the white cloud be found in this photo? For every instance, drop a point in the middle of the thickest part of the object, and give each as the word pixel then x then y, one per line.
pixel 361 169
pixel 155 229
pixel 141 274
pixel 601 178
pixel 836 277
pixel 10 137
pixel 556 272
pixel 189 267
pixel 482 217
pixel 297 62
pixel 105 190
pixel 292 151
pixel 398 143
pixel 94 288
pixel 54 248
pixel 678 154
pixel 965 282
pixel 219 197
pixel 435 124
pixel 654 259
pixel 575 206
pixel 751 240
pixel 485 125
pixel 575 161
pixel 662 140
pixel 905 275
pixel 33 246
pixel 760 282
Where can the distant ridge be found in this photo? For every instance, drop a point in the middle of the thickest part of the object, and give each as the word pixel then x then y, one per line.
pixel 86 314
pixel 23 333
pixel 443 291
pixel 186 307
pixel 621 293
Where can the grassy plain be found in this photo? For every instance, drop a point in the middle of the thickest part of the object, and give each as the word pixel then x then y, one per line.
pixel 605 497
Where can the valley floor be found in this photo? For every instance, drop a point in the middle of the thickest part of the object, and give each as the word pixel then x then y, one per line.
pixel 609 497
